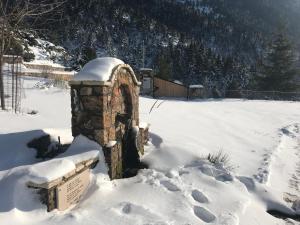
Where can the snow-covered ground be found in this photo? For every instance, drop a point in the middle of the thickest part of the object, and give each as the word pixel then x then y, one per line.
pixel 261 138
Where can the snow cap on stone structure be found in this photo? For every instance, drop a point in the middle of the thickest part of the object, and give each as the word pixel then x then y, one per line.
pixel 99 69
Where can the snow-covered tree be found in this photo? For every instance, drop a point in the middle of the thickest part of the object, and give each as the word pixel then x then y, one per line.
pixel 278 69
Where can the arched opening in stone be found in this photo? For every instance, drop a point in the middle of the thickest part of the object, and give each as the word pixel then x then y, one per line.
pixel 125 133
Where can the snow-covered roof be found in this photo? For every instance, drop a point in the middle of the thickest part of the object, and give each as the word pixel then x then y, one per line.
pixel 146 69
pixel 99 69
pixel 178 82
pixel 11 56
pixel 44 63
pixel 196 86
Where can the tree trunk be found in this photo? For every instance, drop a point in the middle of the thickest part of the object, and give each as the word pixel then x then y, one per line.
pixel 1 84
pixel 2 99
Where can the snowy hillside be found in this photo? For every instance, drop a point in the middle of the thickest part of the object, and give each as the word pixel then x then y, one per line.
pixel 35 50
pixel 261 139
pixel 194 41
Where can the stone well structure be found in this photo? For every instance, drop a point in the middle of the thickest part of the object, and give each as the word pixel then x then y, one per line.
pixel 105 108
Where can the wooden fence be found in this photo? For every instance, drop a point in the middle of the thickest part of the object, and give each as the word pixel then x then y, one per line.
pixel 263 95
pixel 54 76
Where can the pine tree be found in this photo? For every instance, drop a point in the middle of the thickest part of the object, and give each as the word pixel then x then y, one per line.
pixel 88 54
pixel 278 70
pixel 164 68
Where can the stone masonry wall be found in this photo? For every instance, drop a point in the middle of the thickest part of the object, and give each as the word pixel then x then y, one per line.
pixel 104 113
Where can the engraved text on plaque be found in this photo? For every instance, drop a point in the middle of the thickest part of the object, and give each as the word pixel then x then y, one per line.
pixel 70 192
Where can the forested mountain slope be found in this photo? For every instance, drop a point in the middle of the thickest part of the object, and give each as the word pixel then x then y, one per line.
pixel 214 42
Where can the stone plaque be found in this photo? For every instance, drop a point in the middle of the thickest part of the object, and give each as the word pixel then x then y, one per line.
pixel 70 192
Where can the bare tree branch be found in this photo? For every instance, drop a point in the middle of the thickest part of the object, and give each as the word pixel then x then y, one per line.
pixel 13 14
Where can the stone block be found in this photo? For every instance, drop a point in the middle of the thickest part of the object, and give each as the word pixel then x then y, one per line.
pixel 113 118
pixel 92 103
pixel 106 120
pixel 97 122
pixel 79 168
pixel 65 191
pixel 97 90
pixel 116 161
pixel 86 91
pixel 101 136
pixel 51 199
pixel 139 141
pixel 106 90
pixel 112 133
pixel 107 154
pixel 145 135
pixel 75 130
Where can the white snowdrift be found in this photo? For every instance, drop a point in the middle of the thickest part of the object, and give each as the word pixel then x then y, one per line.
pixel 262 139
pixel 13 183
pixel 99 69
pixel 82 149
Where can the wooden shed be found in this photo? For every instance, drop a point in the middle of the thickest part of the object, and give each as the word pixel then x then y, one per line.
pixel 158 87
pixel 165 88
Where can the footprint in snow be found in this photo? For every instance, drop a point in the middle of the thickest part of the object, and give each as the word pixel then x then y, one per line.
pixel 172 174
pixel 198 196
pixel 170 186
pixel 207 170
pixel 204 214
pixel 224 177
pixel 182 172
pixel 218 174
pixel 126 208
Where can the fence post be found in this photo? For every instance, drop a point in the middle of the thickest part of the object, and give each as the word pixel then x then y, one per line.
pixel 1 84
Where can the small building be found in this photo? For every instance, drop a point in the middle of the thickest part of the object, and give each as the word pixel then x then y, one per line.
pixel 196 91
pixel 297 80
pixel 46 69
pixel 166 88
pixel 37 68
pixel 146 78
pixel 158 87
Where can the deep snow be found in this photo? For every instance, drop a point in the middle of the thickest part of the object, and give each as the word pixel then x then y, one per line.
pixel 262 140
pixel 81 149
